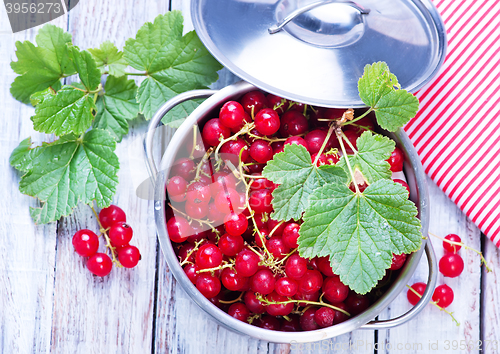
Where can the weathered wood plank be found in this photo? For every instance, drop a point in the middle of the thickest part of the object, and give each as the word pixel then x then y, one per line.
pixel 113 314
pixel 28 251
pixel 490 308
pixel 433 327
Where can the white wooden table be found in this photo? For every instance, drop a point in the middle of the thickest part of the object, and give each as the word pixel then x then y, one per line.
pixel 49 302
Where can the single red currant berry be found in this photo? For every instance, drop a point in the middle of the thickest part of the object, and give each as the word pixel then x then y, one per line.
pixel 235 224
pixel 398 261
pixel 340 316
pixel 286 286
pixel 253 102
pixel 261 183
pixel 296 140
pixel 352 136
pixel 231 114
pixel 253 304
pixel 263 282
pixel 247 263
pixel 293 123
pixel 227 201
pixel 278 309
pixel 261 201
pixel 129 256
pixel 120 234
pixel 198 193
pixel 261 237
pixel 277 248
pixel 208 285
pixel 451 265
pixel 108 216
pixel 325 267
pixel 232 280
pixel 403 183
pixel 315 140
pixel 100 264
pixel 178 229
pixel 311 282
pixel 214 131
pixel 208 256
pixel 279 104
pixel 184 168
pixel 267 121
pixel 191 271
pixel 449 247
pixel 278 146
pixel 292 324
pixel 334 290
pixel 324 159
pixel 295 266
pixel 290 235
pixel 443 295
pixel 232 149
pixel 196 211
pixel 307 321
pixel 396 160
pixel 230 245
pixel 220 181
pixel 419 288
pixel 176 188
pixel 356 303
pixel 261 151
pixel 324 317
pixel 270 323
pixel 85 242
pixel 239 311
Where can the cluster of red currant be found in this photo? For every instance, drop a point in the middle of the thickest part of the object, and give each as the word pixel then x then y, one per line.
pixel 117 234
pixel 450 265
pixel 245 262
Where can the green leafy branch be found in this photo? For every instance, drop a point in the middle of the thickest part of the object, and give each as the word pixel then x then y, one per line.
pixel 88 118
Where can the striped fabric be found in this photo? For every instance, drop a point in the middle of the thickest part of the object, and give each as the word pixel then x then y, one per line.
pixel 457 129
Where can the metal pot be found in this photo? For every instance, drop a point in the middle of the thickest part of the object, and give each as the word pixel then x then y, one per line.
pixel 419 195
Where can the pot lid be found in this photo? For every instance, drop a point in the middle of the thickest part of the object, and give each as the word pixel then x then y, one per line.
pixel 315 51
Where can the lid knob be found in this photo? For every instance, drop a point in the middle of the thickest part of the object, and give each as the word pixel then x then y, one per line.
pixel 337 25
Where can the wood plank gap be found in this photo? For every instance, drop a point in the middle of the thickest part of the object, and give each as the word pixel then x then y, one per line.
pixel 54 282
pixel 375 340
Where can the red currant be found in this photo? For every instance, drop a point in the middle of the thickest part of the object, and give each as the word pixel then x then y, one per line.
pixel 403 183
pixel 451 265
pixel 253 304
pixel 293 123
pixel 273 225
pixel 396 160
pixel 451 247
pixel 214 131
pixel 261 235
pixel 419 288
pixel 311 282
pixel 253 101
pixel 176 188
pixel 269 322
pixel 232 149
pixel 352 136
pixel 208 285
pixel 85 242
pixel 443 295
pixel 247 263
pixel 356 303
pixel 325 267
pixel 129 256
pixel 196 211
pixel 296 140
pixel 295 266
pixel 292 324
pixel 231 114
pixel 277 147
pixel 260 201
pixel 261 183
pixel 278 309
pixel 184 168
pixel 208 256
pixel 324 316
pixel 120 234
pixel 227 201
pixel 239 311
pixel 307 321
pixel 398 261
pixel 235 224
pixel 315 140
pixel 262 282
pixel 286 286
pixel 191 271
pixel 261 151
pixel 230 245
pixel 280 105
pixel 267 121
pixel 108 216
pixel 277 248
pixel 232 280
pixel 334 290
pixel 340 316
pixel 100 264
pixel 178 229
pixel 220 181
pixel 291 235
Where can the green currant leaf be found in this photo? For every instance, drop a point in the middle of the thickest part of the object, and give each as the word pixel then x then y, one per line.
pixel 298 178
pixel 370 158
pixel 86 67
pixel 42 66
pixel 70 110
pixel 109 59
pixel 69 170
pixel 360 232
pixel 116 106
pixel 20 158
pixel 173 63
pixel 379 89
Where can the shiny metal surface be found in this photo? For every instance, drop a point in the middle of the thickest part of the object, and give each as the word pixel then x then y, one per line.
pixel 416 179
pixel 318 57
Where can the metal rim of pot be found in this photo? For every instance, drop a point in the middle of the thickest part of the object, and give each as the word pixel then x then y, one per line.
pixel 419 194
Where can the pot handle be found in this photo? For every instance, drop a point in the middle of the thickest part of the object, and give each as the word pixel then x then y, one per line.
pixel 156 120
pixel 424 300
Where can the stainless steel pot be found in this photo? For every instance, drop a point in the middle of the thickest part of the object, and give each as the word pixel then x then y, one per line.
pixel 419 195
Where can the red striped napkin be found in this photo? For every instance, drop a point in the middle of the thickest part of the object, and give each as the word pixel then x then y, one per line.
pixel 457 129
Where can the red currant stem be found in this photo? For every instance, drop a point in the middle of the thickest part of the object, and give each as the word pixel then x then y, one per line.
pixel 104 233
pixel 268 302
pixel 246 129
pixel 305 110
pixel 275 228
pixel 195 248
pixel 252 318
pixel 363 127
pixel 249 176
pixel 191 155
pixel 203 160
pixel 288 255
pixel 360 117
pixel 483 260
pixel 232 301
pixel 328 135
pixel 250 164
pixel 349 143
pixel 279 105
pixel 227 265
pixel 338 132
pixel 435 304
pixel 252 113
pixel 287 318
pixel 272 140
pixel 190 219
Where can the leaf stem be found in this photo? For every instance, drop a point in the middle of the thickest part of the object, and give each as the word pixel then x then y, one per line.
pixel 338 132
pixel 483 260
pixel 360 117
pixel 137 74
